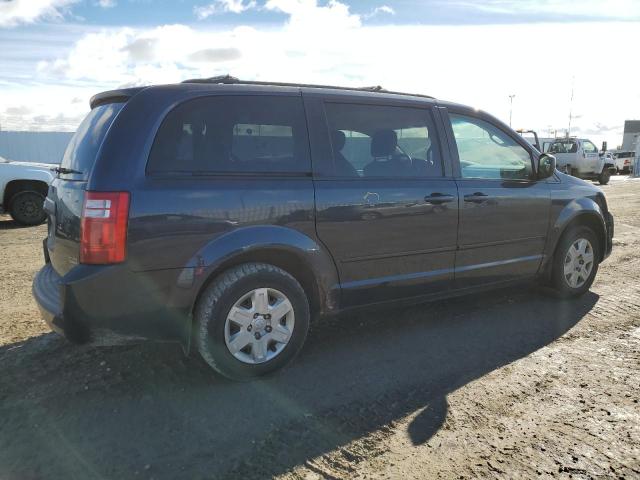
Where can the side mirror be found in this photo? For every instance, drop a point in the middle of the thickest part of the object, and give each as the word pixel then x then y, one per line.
pixel 546 166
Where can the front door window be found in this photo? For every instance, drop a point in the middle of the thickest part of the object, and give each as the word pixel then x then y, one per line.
pixel 485 151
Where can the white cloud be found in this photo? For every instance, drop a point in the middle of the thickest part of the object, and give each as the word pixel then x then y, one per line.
pixel 307 16
pixel 382 9
pixel 327 44
pixel 107 3
pixel 15 12
pixel 223 6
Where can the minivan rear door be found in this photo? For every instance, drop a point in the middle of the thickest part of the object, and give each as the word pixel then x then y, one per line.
pixel 65 199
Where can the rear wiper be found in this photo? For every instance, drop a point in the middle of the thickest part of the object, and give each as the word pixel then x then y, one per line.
pixel 65 170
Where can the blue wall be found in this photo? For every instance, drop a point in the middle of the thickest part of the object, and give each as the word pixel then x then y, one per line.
pixel 43 147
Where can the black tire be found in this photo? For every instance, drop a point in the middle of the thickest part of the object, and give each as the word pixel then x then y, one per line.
pixel 604 177
pixel 215 303
pixel 558 280
pixel 27 208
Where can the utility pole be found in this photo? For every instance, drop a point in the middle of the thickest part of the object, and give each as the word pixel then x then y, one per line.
pixel 511 107
pixel 573 79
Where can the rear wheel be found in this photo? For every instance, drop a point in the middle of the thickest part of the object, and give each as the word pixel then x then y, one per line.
pixel 604 177
pixel 575 262
pixel 27 208
pixel 251 321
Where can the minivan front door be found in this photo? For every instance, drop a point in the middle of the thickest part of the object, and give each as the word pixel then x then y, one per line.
pixel 504 212
pixel 385 209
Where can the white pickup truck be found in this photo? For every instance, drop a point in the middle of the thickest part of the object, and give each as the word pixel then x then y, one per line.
pixel 624 161
pixel 580 157
pixel 23 188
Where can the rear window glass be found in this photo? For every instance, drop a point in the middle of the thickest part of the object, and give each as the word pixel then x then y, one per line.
pixel 232 134
pixel 566 146
pixel 83 147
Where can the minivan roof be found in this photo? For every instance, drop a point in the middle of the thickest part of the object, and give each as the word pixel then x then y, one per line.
pixel 229 80
pixel 233 83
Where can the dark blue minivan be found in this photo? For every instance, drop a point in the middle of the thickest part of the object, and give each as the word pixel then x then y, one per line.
pixel 228 214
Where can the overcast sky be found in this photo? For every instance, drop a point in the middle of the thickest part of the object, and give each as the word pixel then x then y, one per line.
pixel 55 54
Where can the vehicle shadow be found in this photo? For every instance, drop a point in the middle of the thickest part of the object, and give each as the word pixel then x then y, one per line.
pixel 7 223
pixel 81 412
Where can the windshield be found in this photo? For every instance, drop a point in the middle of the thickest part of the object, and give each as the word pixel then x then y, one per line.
pixel 81 152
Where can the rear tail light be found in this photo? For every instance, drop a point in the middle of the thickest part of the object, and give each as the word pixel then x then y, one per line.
pixel 103 229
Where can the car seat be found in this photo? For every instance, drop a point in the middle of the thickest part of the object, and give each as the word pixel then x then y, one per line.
pixel 385 163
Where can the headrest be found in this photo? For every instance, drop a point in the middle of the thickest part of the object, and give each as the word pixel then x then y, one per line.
pixel 383 143
pixel 338 139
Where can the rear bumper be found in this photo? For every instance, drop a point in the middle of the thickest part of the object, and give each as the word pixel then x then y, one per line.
pixel 111 305
pixel 48 291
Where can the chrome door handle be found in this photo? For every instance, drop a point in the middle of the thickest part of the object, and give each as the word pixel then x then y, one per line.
pixel 477 197
pixel 438 198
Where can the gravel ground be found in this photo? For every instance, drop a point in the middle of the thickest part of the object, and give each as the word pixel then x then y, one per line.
pixel 514 384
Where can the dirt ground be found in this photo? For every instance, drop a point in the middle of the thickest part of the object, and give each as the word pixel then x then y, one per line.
pixel 512 384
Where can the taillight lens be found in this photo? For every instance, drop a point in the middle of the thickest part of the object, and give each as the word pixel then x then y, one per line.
pixel 103 229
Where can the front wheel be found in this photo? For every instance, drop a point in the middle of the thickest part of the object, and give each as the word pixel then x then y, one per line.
pixel 251 321
pixel 27 208
pixel 575 262
pixel 604 177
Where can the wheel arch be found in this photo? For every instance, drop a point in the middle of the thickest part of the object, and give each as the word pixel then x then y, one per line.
pixel 292 251
pixel 579 212
pixel 20 185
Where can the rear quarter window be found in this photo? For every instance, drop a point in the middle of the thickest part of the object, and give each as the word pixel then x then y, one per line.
pixel 232 134
pixel 83 147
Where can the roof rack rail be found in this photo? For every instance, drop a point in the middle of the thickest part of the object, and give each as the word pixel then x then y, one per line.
pixel 229 80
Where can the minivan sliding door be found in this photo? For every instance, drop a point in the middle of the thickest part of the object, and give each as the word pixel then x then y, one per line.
pixel 384 207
